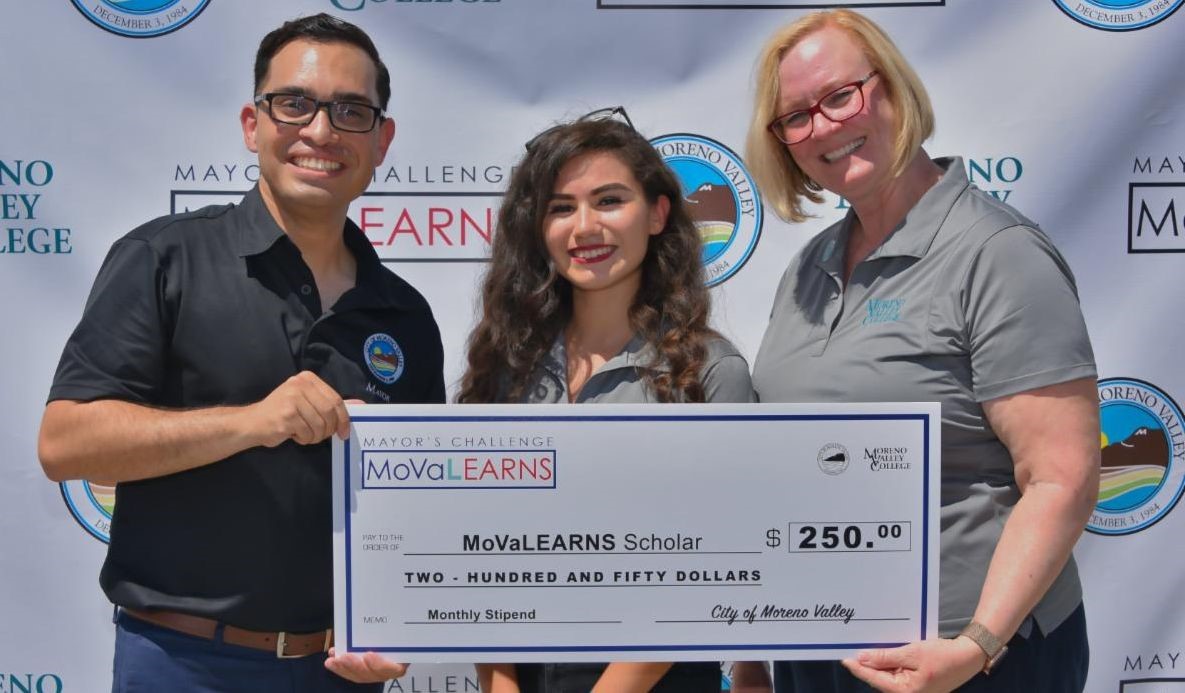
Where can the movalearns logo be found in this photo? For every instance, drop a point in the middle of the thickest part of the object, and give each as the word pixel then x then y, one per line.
pixel 434 469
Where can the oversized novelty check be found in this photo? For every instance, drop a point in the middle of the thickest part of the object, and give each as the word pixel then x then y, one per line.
pixel 518 533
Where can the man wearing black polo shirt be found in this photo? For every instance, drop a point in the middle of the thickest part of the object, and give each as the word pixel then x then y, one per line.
pixel 209 370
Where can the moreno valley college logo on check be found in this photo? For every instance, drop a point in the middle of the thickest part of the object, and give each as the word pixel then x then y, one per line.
pixel 140 18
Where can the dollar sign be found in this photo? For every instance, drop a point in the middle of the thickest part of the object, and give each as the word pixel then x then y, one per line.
pixel 773 538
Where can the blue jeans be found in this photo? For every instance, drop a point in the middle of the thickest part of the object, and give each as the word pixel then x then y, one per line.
pixel 1043 663
pixel 151 659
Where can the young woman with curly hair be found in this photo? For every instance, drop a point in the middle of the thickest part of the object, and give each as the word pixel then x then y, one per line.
pixel 595 293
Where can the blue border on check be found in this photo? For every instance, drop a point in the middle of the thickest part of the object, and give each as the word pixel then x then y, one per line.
pixel 926 471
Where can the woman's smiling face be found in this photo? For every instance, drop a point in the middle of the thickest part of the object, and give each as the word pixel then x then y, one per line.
pixel 852 158
pixel 599 223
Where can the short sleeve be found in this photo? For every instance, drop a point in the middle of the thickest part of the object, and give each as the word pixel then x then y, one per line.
pixel 118 349
pixel 726 377
pixel 1024 324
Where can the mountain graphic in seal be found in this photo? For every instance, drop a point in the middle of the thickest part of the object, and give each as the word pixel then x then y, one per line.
pixel 713 207
pixel 385 362
pixel 1145 446
pixel 1133 469
pixel 390 360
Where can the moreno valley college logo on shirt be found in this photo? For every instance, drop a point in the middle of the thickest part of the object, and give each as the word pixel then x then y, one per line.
pixel 140 18
pixel 1143 449
pixel 721 198
pixel 1119 15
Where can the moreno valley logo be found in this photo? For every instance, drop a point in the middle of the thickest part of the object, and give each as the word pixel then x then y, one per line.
pixel 383 357
pixel 140 18
pixel 91 505
pixel 1143 446
pixel 1119 15
pixel 721 197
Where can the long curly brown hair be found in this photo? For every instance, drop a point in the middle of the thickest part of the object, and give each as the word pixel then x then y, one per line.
pixel 526 304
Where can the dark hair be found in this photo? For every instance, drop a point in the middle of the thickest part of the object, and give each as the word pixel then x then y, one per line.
pixel 526 304
pixel 322 28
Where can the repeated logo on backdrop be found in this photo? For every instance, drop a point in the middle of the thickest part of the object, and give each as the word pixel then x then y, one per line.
pixel 996 175
pixel 436 216
pixel 356 5
pixel 439 218
pixel 1156 684
pixel 1156 205
pixel 436 682
pixel 23 227
pixel 754 4
pixel 12 682
pixel 1143 450
pixel 91 506
pixel 1119 15
pixel 141 18
pixel 1153 665
pixel 721 197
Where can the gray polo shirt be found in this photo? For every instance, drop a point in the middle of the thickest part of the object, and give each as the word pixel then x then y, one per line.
pixel 725 376
pixel 966 301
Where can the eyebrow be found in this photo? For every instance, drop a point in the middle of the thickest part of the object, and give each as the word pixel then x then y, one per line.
pixel 603 189
pixel 335 96
pixel 827 89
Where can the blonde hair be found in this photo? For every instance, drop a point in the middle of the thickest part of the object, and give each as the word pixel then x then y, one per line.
pixel 784 185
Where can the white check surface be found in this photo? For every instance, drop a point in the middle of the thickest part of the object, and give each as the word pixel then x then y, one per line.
pixel 635 532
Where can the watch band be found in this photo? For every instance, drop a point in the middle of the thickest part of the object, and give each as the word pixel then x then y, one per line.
pixel 987 641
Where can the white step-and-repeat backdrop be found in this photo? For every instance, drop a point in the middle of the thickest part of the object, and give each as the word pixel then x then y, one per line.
pixel 117 111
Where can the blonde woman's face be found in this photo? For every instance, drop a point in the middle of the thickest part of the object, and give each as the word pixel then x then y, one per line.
pixel 852 158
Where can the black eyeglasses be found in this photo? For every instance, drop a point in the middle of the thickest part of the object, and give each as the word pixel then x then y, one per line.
pixel 611 113
pixel 837 106
pixel 299 109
